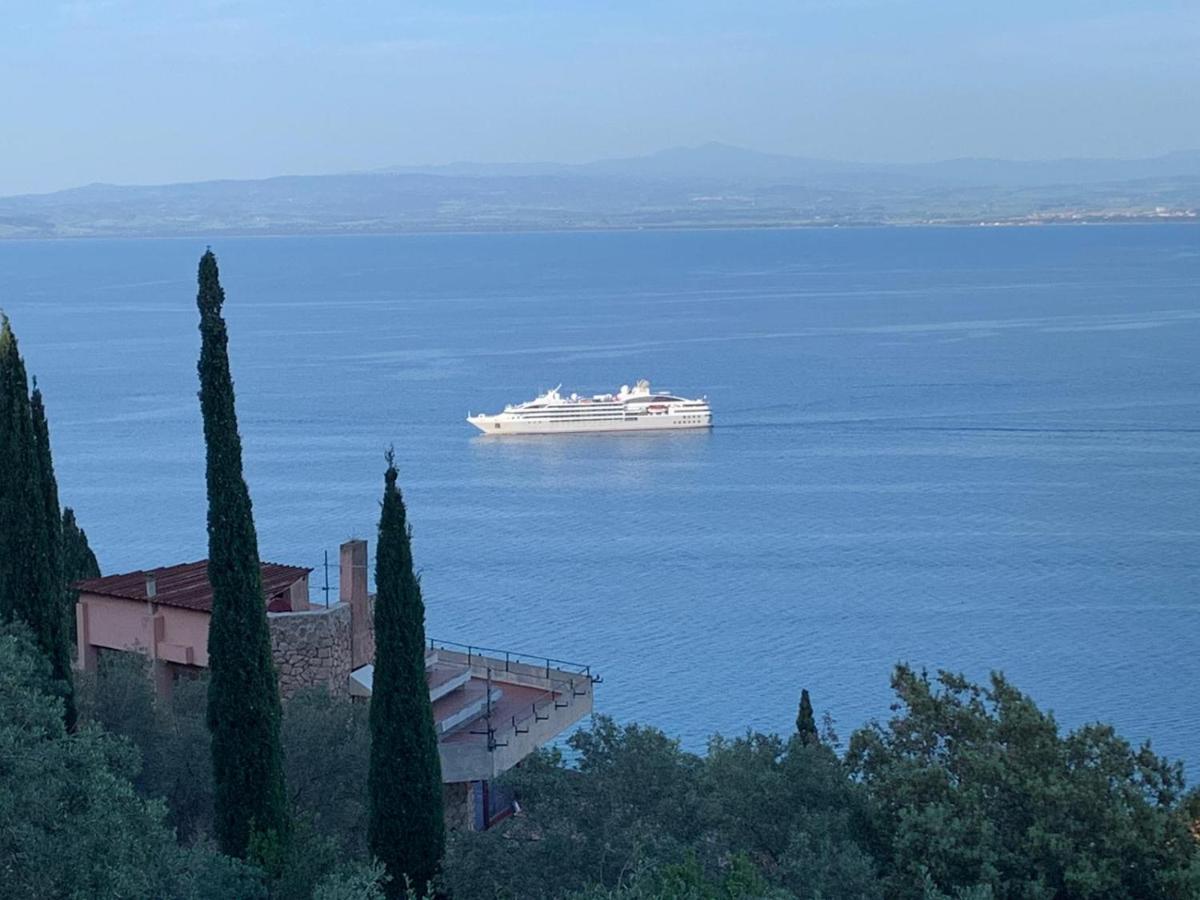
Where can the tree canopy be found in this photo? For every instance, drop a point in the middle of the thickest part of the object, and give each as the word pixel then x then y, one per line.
pixel 71 822
pixel 970 792
pixel 974 787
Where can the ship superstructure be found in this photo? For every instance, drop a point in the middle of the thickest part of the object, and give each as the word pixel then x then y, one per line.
pixel 630 409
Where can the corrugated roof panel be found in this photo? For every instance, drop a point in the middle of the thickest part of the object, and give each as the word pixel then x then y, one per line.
pixel 186 585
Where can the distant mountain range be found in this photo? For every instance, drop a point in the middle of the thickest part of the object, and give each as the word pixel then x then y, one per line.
pixel 712 185
pixel 728 163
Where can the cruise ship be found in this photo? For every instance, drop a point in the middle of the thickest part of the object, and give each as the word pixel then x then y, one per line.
pixel 636 409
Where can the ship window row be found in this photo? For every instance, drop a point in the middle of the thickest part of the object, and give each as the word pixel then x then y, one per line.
pixel 576 415
pixel 598 410
pixel 596 415
pixel 572 406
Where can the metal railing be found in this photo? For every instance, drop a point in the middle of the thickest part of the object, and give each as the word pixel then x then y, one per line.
pixel 548 663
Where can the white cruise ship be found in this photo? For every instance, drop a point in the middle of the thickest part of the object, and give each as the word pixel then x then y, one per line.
pixel 639 409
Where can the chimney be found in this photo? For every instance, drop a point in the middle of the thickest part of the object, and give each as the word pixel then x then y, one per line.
pixel 352 589
pixel 151 586
pixel 352 580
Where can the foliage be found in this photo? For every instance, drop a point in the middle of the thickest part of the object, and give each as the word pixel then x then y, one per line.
pixel 790 805
pixel 79 562
pixel 20 491
pixel 31 574
pixel 974 788
pixel 308 858
pixel 969 793
pixel 687 880
pixel 361 881
pixel 632 802
pixel 406 829
pixel 637 811
pixel 57 645
pixel 170 735
pixel 71 822
pixel 325 739
pixel 326 752
pixel 243 696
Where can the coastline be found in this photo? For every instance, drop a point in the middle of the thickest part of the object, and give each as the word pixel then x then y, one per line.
pixel 1064 221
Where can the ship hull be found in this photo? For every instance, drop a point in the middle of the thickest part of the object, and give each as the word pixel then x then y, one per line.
pixel 501 425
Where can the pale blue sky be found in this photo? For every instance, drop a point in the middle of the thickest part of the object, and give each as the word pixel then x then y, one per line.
pixel 144 91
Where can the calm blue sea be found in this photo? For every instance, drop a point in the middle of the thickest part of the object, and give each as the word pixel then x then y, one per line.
pixel 975 449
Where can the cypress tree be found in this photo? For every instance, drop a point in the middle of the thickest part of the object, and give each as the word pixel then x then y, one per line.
pixel 405 829
pixel 806 725
pixel 79 562
pixel 31 585
pixel 57 630
pixel 250 809
pixel 20 503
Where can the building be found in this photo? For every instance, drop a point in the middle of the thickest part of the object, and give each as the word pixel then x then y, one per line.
pixel 491 708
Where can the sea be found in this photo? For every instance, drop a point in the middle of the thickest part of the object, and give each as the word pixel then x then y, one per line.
pixel 970 449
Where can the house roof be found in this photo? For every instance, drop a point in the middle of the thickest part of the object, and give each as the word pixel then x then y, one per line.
pixel 186 585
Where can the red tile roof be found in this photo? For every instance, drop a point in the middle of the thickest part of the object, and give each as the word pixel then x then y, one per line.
pixel 186 585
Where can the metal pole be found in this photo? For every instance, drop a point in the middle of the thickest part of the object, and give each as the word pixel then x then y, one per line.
pixel 327 579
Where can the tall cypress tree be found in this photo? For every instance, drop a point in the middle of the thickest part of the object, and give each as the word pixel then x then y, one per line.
pixel 20 503
pixel 58 630
pixel 31 580
pixel 243 694
pixel 806 724
pixel 405 829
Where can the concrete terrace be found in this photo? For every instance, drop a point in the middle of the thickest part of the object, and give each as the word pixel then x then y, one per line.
pixel 493 707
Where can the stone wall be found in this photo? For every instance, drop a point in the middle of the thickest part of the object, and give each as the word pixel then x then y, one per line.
pixel 312 648
pixel 458 806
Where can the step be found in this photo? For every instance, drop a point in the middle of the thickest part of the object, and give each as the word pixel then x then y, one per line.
pixel 475 707
pixel 442 683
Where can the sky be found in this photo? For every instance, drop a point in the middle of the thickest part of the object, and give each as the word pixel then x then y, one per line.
pixel 153 91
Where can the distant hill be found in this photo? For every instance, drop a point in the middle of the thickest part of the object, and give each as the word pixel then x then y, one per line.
pixel 712 185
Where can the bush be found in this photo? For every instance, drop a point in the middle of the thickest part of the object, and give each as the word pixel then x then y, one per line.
pixel 641 817
pixel 71 822
pixel 170 735
pixel 326 748
pixel 974 787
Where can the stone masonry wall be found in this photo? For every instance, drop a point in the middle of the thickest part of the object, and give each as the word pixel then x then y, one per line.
pixel 312 648
pixel 458 806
